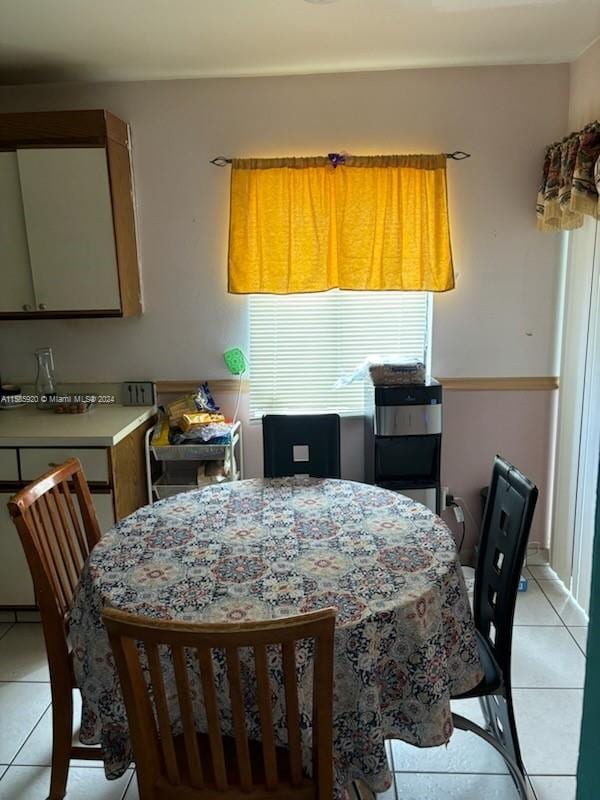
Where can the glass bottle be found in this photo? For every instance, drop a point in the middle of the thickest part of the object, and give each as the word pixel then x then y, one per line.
pixel 44 382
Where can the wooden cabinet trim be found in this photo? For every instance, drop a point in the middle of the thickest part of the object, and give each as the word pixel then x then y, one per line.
pixel 117 131
pixel 127 468
pixel 520 384
pixel 74 127
pixel 121 189
pixel 109 312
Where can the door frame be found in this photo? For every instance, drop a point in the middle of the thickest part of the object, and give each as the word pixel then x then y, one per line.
pixel 574 473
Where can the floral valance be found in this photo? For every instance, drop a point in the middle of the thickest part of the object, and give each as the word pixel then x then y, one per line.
pixel 570 184
pixel 349 222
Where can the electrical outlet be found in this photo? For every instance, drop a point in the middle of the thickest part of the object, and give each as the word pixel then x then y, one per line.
pixel 138 393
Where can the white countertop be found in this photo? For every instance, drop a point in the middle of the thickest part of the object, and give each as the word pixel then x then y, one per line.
pixel 103 426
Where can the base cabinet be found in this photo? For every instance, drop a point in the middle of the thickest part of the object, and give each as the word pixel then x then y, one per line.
pixel 16 589
pixel 117 479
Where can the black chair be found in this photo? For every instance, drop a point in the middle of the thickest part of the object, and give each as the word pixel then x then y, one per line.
pixel 301 444
pixel 504 534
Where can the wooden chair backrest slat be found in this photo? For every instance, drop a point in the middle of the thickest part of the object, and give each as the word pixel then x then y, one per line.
pixel 266 716
pixel 196 765
pixel 323 716
pixel 162 712
pixel 34 519
pixel 239 718
pixel 75 546
pixel 74 518
pixel 293 712
pixel 212 717
pixel 187 718
pixel 57 532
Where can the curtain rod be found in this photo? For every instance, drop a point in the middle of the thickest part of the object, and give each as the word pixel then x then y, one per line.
pixel 338 158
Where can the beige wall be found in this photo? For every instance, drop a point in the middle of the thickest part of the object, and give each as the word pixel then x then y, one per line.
pixel 500 320
pixel 584 93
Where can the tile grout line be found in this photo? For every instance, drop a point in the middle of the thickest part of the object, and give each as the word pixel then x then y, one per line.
pixel 554 607
pixel 548 625
pixel 575 640
pixel 390 749
pixel 129 782
pixel 543 625
pixel 548 688
pixel 532 787
pixel 27 738
pixel 439 772
pixel 21 683
pixel 563 623
pixel 507 774
pixel 553 775
pixel 11 625
pixel 541 588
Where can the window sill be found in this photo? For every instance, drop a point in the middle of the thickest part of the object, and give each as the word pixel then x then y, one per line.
pixel 343 415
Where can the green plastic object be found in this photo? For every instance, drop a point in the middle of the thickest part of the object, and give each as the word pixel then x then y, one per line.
pixel 236 361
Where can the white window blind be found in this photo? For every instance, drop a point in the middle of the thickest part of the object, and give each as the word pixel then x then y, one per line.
pixel 300 344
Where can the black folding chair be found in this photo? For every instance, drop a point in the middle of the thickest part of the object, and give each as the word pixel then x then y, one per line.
pixel 504 534
pixel 301 444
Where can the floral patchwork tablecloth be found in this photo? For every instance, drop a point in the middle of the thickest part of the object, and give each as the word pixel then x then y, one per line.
pixel 257 549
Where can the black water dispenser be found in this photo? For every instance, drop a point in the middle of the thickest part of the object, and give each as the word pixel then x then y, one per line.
pixel 403 439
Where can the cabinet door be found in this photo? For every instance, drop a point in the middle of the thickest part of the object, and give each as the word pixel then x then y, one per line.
pixel 103 503
pixel 17 288
pixel 16 588
pixel 68 217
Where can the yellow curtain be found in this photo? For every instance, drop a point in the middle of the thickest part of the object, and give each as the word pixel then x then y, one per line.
pixel 301 225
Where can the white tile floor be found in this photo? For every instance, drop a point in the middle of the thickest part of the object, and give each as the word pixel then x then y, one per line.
pixel 548 676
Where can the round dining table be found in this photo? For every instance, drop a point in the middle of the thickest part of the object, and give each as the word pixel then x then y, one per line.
pixel 261 549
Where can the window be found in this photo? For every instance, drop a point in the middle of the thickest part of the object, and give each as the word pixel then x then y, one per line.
pixel 301 344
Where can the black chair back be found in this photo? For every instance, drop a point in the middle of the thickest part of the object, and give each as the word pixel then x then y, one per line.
pixel 301 444
pixel 504 535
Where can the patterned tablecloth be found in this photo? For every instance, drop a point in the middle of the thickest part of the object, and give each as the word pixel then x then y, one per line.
pixel 257 549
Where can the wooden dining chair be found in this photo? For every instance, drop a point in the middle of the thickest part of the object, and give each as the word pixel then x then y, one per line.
pixel 58 528
pixel 206 766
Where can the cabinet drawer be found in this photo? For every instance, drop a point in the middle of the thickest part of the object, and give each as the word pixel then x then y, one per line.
pixel 103 506
pixel 9 466
pixel 35 461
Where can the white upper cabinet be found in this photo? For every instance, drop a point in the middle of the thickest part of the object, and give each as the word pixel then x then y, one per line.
pixel 16 294
pixel 68 244
pixel 69 224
